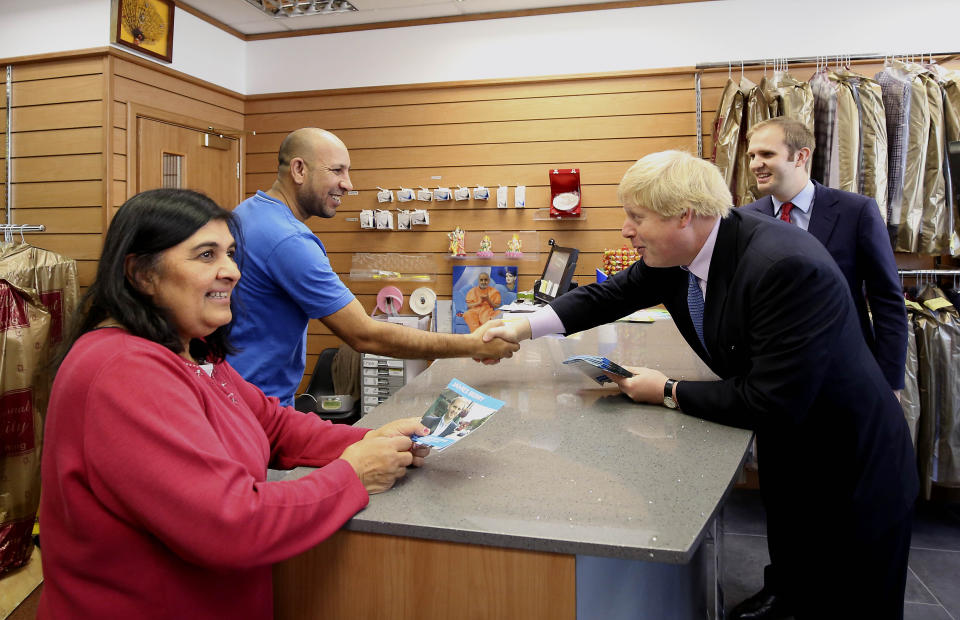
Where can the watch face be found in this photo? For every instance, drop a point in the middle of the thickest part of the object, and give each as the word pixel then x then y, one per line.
pixel 669 402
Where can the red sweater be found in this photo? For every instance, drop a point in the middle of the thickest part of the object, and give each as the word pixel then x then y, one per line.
pixel 154 501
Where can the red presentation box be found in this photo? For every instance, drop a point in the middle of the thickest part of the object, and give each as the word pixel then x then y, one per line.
pixel 565 192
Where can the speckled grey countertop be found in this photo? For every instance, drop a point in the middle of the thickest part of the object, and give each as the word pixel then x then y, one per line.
pixel 566 466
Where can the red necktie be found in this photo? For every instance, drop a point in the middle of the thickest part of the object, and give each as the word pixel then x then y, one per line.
pixel 785 210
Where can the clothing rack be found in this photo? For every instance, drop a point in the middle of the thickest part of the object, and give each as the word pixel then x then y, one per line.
pixel 922 276
pixel 8 230
pixel 774 63
pixel 928 272
pixel 22 228
pixel 8 158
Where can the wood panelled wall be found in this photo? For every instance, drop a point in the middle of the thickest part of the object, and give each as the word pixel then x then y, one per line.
pixel 71 166
pixel 60 154
pixel 140 88
pixel 510 133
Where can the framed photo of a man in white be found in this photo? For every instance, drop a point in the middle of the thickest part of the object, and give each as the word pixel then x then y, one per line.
pixel 457 412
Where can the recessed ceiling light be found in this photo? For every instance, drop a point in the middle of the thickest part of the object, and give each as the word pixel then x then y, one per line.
pixel 299 8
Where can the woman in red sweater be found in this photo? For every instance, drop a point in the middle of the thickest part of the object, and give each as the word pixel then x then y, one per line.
pixel 155 501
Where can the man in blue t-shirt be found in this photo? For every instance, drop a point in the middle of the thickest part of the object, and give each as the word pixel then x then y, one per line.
pixel 287 277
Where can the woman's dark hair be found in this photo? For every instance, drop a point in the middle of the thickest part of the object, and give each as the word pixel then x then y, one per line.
pixel 145 226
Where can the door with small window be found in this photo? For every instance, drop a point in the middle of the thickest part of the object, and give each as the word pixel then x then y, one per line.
pixel 176 156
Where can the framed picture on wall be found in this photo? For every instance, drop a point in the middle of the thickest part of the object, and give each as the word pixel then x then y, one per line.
pixel 145 26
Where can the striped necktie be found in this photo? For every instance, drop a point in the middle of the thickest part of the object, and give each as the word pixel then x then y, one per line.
pixel 695 305
pixel 785 210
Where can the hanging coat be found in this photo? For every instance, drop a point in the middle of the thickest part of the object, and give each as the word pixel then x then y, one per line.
pixel 794 99
pixel 757 110
pixel 908 235
pixel 910 395
pixel 950 86
pixel 934 227
pixel 873 143
pixel 895 86
pixel 938 432
pixel 38 292
pixel 825 119
pixel 726 132
pixel 847 136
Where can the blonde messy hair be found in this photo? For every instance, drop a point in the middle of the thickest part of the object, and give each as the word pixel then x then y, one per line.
pixel 670 182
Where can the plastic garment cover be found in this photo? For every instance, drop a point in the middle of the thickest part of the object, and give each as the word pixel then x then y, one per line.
pixel 873 143
pixel 780 95
pixel 758 109
pixel 825 113
pixel 910 395
pixel 908 235
pixel 934 227
pixel 726 131
pixel 938 352
pixel 847 136
pixel 895 85
pixel 950 81
pixel 38 292
pixel 793 99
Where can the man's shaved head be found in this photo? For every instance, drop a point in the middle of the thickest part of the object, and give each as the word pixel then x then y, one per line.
pixel 302 143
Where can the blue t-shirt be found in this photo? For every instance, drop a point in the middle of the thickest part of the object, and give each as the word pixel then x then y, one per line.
pixel 286 280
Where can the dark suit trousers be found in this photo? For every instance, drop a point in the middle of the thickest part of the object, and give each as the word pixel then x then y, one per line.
pixel 838 574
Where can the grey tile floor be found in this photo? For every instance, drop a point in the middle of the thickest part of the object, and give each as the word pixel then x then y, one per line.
pixel 933 581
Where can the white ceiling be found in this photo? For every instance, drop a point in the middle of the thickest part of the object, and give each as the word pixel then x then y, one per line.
pixel 247 19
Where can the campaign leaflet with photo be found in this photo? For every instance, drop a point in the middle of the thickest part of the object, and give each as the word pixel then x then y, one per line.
pixel 589 364
pixel 458 411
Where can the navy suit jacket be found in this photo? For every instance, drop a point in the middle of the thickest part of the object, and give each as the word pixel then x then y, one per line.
pixel 431 422
pixel 781 332
pixel 850 227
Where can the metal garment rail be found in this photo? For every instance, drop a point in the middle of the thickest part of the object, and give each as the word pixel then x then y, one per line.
pixel 22 228
pixel 9 153
pixel 928 272
pixel 9 230
pixel 840 58
pixel 934 276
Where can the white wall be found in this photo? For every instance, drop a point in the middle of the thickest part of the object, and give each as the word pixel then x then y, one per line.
pixel 585 42
pixel 28 28
pixel 208 53
pixel 600 41
pixel 45 26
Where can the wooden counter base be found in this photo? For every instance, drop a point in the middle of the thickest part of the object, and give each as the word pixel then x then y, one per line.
pixel 358 575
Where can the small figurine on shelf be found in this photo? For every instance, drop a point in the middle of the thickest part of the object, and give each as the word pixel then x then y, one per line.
pixel 457 247
pixel 486 246
pixel 513 247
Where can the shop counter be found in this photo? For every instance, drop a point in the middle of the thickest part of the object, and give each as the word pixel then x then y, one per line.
pixel 571 501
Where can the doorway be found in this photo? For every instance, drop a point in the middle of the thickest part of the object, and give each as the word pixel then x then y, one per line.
pixel 172 155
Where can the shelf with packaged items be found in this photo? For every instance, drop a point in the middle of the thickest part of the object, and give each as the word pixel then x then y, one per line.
pixel 529 245
pixel 392 267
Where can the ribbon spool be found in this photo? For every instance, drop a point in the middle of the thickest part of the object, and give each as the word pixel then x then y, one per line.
pixel 422 300
pixel 389 300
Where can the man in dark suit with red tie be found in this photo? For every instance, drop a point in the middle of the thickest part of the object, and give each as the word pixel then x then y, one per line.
pixel 851 228
pixel 768 310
